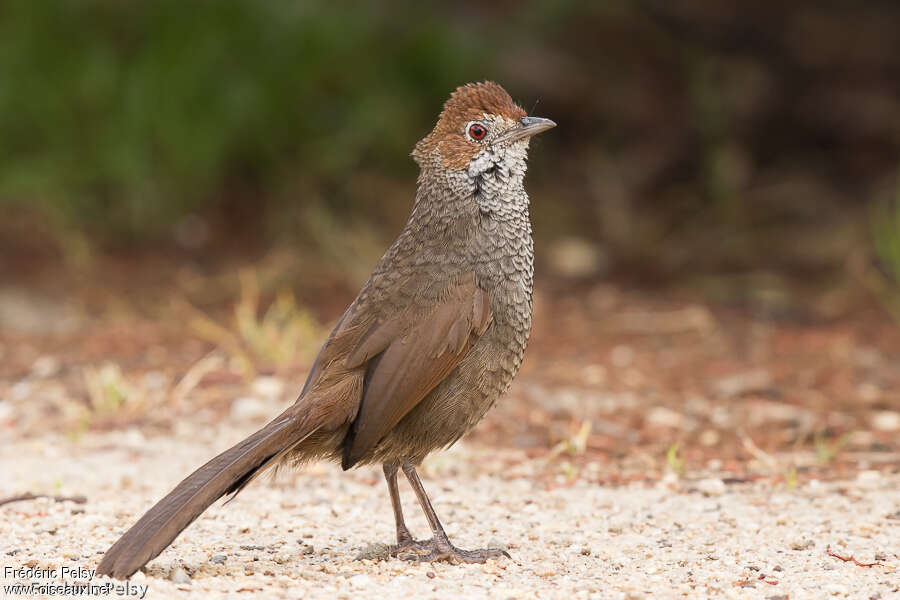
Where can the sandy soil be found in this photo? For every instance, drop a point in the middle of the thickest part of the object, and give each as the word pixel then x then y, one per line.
pixel 649 448
pixel 298 536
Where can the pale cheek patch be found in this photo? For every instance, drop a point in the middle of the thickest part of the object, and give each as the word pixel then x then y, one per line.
pixel 483 162
pixel 502 163
pixel 497 175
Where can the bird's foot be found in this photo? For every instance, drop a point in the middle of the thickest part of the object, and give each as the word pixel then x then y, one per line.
pixel 437 550
pixel 381 551
pixel 409 547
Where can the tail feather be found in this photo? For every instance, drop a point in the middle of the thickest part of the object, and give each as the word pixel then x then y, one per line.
pixel 235 488
pixel 224 474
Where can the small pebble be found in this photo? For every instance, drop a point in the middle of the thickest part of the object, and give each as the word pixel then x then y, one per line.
pixel 360 581
pixel 179 576
pixel 218 559
pixel 268 387
pixel 836 589
pixel 868 479
pixel 45 366
pixel 248 408
pixel 6 410
pixel 886 421
pixel 711 487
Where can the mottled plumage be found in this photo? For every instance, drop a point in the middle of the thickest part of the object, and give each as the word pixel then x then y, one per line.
pixel 431 342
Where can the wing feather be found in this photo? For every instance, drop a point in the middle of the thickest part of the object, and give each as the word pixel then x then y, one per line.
pixel 414 353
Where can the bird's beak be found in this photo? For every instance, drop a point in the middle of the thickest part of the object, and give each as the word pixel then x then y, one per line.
pixel 527 127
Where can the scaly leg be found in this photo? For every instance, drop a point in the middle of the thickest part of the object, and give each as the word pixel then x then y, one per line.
pixel 438 548
pixel 404 537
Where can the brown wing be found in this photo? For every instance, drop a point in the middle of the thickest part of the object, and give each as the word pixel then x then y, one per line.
pixel 406 357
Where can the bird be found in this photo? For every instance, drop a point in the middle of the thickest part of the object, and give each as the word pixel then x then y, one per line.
pixel 430 343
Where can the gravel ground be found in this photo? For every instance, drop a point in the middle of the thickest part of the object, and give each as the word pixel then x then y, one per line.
pixel 297 536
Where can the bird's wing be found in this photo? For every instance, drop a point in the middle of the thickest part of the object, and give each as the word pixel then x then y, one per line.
pixel 407 356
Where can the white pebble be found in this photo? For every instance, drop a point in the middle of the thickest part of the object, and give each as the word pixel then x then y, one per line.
pixel 179 576
pixel 360 581
pixel 248 407
pixel 836 589
pixel 268 387
pixel 45 366
pixel 868 479
pixel 712 486
pixel 886 420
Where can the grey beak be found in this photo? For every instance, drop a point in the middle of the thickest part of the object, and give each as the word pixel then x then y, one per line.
pixel 528 127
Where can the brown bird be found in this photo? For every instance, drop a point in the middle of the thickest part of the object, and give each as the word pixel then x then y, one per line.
pixel 431 342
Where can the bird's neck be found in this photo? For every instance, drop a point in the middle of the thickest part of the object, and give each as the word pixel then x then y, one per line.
pixel 464 229
pixel 443 215
pixel 452 207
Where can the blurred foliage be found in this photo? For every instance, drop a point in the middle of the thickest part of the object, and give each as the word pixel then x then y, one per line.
pixel 675 460
pixel 706 135
pixel 278 338
pixel 886 225
pixel 885 282
pixel 107 388
pixel 128 115
pixel 828 449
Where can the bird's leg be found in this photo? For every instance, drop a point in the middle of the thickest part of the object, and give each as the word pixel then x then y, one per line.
pixel 404 537
pixel 438 547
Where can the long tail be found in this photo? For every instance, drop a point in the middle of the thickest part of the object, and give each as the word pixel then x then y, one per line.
pixel 224 474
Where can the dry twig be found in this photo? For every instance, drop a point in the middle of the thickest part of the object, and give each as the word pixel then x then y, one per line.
pixel 850 558
pixel 29 496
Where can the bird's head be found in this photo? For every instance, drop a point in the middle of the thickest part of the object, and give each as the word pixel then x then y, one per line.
pixel 480 140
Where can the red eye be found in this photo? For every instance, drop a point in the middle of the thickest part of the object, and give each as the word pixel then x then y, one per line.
pixel 477 131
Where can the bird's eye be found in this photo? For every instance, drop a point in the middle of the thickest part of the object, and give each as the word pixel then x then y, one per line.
pixel 477 131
